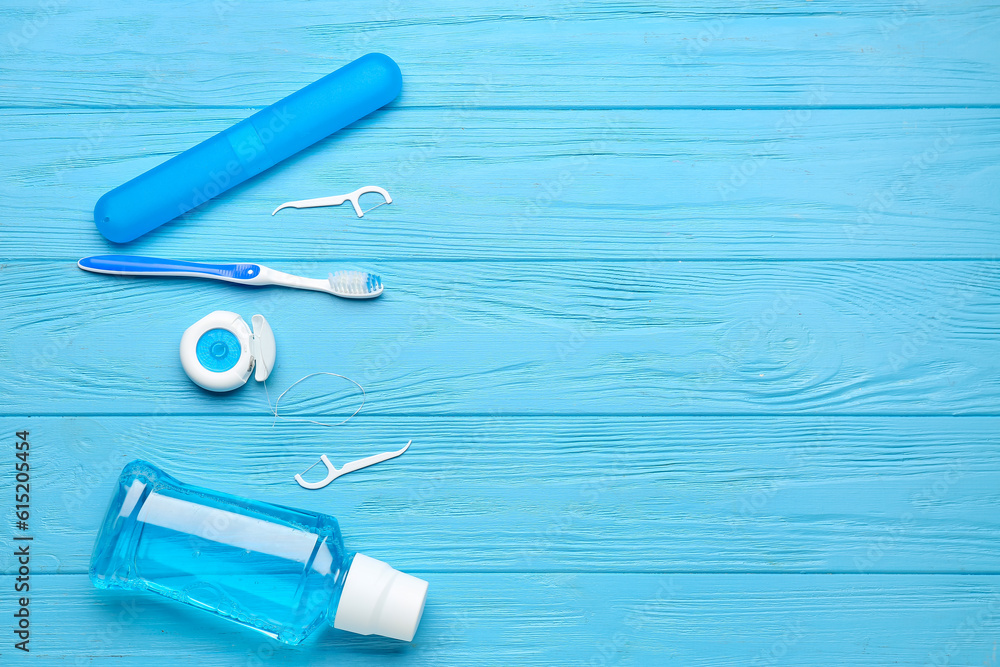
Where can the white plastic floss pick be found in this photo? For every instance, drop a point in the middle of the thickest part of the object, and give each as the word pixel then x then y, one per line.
pixel 353 197
pixel 332 473
pixel 218 353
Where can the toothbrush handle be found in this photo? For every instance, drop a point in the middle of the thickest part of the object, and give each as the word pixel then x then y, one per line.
pixel 131 265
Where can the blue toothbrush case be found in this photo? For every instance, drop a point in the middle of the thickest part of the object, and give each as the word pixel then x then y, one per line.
pixel 247 148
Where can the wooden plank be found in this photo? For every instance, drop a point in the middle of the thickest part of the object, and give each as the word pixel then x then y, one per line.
pixel 806 494
pixel 585 619
pixel 634 185
pixel 583 488
pixel 555 53
pixel 529 338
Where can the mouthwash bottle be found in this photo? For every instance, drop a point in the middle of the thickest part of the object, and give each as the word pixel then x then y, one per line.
pixel 279 570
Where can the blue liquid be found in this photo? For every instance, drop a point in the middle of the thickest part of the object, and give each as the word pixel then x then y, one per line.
pixel 274 569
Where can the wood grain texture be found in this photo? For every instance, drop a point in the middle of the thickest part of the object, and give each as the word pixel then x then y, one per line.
pixel 691 313
pixel 578 619
pixel 537 184
pixel 599 494
pixel 552 53
pixel 529 338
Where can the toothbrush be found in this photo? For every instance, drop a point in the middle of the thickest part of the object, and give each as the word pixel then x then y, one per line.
pixel 346 284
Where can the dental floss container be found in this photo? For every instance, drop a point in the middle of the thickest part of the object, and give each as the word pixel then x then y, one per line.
pixel 247 148
pixel 219 351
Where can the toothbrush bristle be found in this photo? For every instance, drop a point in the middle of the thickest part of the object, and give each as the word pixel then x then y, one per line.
pixel 355 284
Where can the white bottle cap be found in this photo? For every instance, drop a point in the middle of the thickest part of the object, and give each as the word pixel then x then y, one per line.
pixel 378 600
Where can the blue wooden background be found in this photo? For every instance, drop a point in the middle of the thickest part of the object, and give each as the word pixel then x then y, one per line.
pixel 691 314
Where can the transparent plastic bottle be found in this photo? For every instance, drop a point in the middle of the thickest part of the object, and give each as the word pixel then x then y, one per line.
pixel 275 569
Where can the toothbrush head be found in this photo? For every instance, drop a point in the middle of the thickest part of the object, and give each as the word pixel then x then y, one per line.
pixel 355 285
